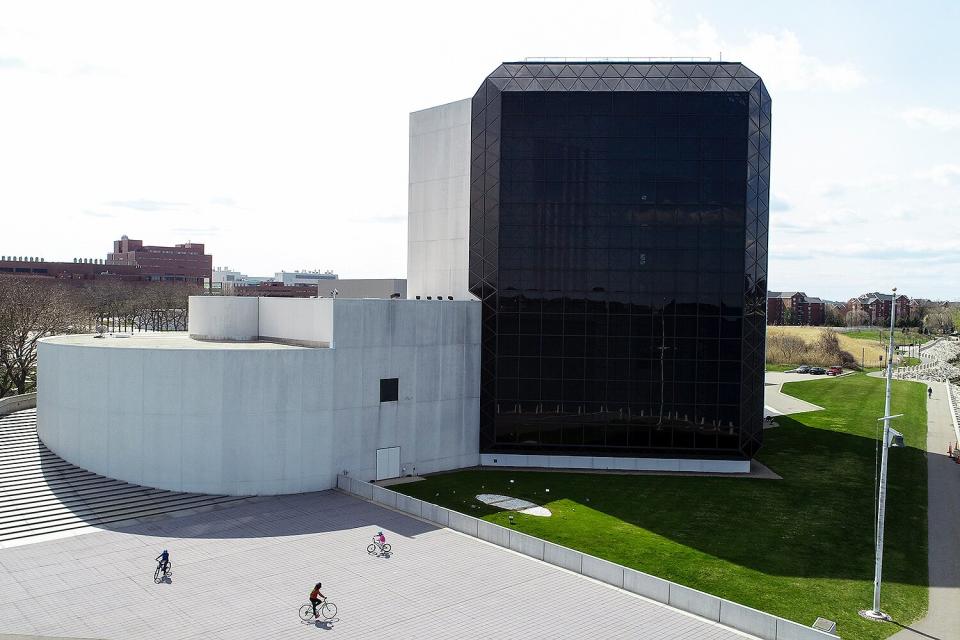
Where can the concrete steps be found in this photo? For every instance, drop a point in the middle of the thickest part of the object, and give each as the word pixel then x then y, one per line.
pixel 42 494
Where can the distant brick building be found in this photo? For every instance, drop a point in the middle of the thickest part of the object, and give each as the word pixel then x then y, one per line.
pixel 345 288
pixel 795 308
pixel 275 290
pixel 130 260
pixel 79 269
pixel 179 263
pixel 876 307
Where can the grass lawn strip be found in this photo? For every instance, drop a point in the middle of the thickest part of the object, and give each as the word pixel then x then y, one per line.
pixel 799 547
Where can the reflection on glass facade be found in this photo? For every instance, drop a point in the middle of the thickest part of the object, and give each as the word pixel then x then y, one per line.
pixel 618 237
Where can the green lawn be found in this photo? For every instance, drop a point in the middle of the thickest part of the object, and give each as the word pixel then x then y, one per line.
pixel 798 547
pixel 909 361
pixel 781 367
pixel 899 337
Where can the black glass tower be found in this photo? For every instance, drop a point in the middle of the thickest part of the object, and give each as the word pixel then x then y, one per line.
pixel 618 244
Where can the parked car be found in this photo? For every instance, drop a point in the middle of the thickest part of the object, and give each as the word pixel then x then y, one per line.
pixel 817 371
pixel 804 368
pixel 835 371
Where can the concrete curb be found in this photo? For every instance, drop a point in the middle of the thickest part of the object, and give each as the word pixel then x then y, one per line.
pixel 733 615
pixel 953 410
pixel 18 403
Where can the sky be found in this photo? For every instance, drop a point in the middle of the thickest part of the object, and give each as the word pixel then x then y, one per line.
pixel 276 132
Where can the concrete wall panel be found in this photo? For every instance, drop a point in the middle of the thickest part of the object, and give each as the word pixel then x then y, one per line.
pixel 409 505
pixel 646 585
pixel 439 201
pixel 562 556
pixel 527 545
pixel 297 320
pixel 789 630
pixel 698 602
pixel 602 570
pixel 748 620
pixel 385 496
pixel 436 514
pixel 462 523
pixel 494 533
pixel 223 318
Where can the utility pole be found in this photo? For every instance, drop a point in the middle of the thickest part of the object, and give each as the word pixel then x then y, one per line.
pixel 875 613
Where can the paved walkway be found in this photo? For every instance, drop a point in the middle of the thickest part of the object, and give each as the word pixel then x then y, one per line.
pixel 244 570
pixel 776 403
pixel 943 528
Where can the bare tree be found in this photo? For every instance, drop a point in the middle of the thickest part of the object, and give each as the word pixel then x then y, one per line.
pixel 833 316
pixel 31 309
pixel 158 306
pixel 856 318
pixel 939 320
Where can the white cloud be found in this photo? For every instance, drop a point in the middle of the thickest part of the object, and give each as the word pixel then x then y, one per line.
pixel 932 117
pixel 945 175
pixel 780 59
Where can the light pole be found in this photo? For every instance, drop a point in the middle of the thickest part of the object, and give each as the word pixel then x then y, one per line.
pixel 891 437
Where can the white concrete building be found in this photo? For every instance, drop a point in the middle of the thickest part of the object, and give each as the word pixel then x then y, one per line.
pixel 438 229
pixel 270 395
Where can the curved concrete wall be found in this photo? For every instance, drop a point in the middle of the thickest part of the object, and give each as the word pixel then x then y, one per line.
pixel 259 419
pixel 224 318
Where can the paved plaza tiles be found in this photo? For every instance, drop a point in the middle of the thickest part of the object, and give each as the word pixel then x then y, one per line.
pixel 242 570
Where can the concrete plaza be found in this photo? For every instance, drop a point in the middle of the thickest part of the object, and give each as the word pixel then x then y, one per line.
pixel 243 569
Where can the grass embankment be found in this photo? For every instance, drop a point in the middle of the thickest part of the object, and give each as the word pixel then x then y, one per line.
pixel 781 367
pixel 881 337
pixel 798 547
pixel 805 345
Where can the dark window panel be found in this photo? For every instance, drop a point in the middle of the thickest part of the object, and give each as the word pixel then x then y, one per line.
pixel 616 224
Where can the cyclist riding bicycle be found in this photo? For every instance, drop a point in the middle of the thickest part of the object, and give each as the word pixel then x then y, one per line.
pixel 316 598
pixel 164 561
pixel 379 538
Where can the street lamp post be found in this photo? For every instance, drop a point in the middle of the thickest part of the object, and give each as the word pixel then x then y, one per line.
pixel 890 438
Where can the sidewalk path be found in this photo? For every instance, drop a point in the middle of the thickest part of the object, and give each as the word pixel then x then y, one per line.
pixel 778 403
pixel 943 528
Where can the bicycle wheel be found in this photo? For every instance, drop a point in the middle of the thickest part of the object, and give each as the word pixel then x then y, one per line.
pixel 156 575
pixel 385 548
pixel 306 613
pixel 328 610
pixel 371 549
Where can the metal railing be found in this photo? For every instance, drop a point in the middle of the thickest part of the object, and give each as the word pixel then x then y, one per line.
pixel 953 398
pixel 155 320
pixel 554 60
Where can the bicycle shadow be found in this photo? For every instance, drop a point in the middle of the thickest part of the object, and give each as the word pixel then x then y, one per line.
pixel 325 625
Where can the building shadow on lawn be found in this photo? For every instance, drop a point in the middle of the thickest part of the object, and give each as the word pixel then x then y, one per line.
pixel 815 523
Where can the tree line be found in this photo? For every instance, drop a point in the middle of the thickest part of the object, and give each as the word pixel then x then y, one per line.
pixel 34 308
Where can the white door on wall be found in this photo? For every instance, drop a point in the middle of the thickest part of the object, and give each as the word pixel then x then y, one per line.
pixel 388 463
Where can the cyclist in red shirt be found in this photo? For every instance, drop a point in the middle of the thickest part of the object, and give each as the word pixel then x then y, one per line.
pixel 316 598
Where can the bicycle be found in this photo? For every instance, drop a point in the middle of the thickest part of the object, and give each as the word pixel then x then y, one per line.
pixel 377 549
pixel 328 611
pixel 159 576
